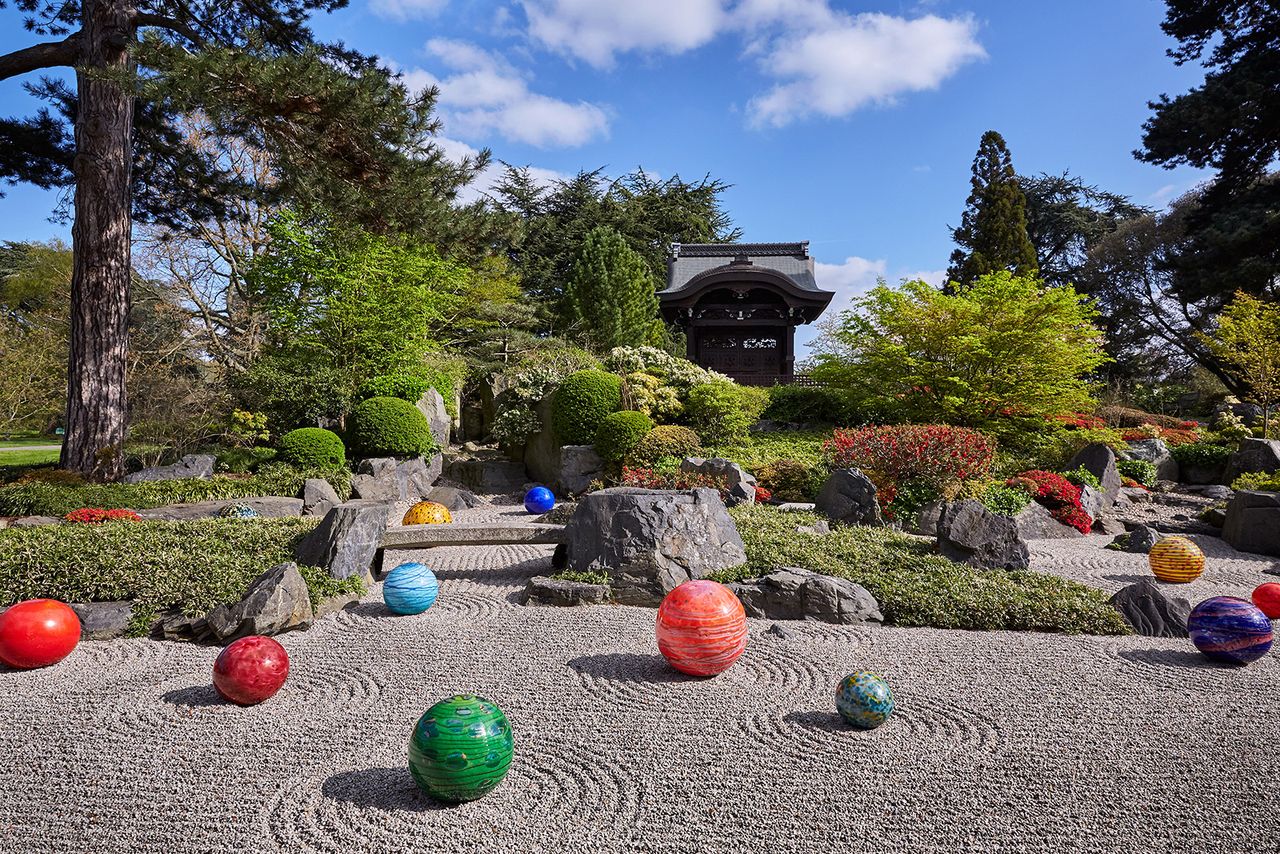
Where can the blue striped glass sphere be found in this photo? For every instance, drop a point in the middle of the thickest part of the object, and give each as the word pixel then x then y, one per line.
pixel 539 500
pixel 864 700
pixel 1230 630
pixel 410 588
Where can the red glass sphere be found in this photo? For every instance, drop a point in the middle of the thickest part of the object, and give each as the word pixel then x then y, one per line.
pixel 37 633
pixel 702 628
pixel 250 670
pixel 1267 598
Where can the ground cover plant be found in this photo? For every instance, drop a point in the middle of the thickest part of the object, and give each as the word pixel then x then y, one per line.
pixel 915 587
pixel 191 565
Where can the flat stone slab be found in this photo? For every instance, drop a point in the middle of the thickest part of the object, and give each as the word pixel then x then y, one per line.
pixel 473 534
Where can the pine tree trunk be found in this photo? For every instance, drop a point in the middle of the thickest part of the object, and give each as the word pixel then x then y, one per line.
pixel 100 236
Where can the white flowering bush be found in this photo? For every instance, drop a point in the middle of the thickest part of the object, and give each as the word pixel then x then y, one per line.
pixel 673 371
pixel 646 393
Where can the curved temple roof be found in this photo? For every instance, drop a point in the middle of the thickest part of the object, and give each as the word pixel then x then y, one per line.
pixel 792 260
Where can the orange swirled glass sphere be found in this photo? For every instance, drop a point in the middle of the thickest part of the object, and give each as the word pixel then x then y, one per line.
pixel 701 628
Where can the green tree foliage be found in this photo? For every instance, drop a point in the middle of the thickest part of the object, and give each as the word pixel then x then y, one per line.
pixel 1004 346
pixel 993 230
pixel 581 403
pixel 35 280
pixel 1229 124
pixel 610 299
pixel 1247 340
pixel 1066 218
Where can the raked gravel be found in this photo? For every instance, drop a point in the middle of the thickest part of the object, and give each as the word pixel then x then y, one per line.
pixel 1002 742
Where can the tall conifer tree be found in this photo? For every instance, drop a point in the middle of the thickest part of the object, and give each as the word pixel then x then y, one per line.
pixel 993 231
pixel 610 299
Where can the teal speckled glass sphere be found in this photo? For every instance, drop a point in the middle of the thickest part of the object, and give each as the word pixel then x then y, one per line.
pixel 460 749
pixel 238 511
pixel 864 700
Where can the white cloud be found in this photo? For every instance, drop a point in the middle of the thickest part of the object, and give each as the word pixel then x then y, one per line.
pixel 597 30
pixel 404 10
pixel 456 150
pixel 933 277
pixel 850 279
pixel 486 96
pixel 865 59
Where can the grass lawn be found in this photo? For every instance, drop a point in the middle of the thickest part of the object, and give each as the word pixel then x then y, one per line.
pixel 193 565
pixel 25 458
pixel 763 448
pixel 917 588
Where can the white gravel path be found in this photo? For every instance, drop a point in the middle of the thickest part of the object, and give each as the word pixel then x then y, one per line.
pixel 1002 742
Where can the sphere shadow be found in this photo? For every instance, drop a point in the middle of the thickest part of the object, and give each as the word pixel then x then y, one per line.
pixel 829 722
pixel 386 789
pixel 369 610
pixel 630 667
pixel 196 697
pixel 1175 658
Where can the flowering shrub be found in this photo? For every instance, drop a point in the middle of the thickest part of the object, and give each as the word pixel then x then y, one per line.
pixel 763 494
pixel 1080 421
pixel 1173 438
pixel 672 370
pixel 1059 495
pixel 1185 435
pixel 650 479
pixel 96 516
pixel 646 393
pixel 931 454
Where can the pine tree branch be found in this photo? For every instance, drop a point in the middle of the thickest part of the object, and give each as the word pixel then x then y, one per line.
pixel 45 55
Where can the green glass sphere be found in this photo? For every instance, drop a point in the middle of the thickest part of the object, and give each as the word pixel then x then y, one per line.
pixel 460 749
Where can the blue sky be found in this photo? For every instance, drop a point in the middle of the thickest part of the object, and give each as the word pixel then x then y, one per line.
pixel 851 125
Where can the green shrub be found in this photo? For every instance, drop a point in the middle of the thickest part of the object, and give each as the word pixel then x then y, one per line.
pixel 1258 481
pixel 313 447
pixel 810 405
pixel 191 565
pixel 1201 454
pixel 620 432
pixel 666 440
pixel 583 577
pixel 54 499
pixel 388 427
pixel 1083 477
pixel 581 403
pixel 791 480
pixel 1139 470
pixel 242 460
pixel 761 449
pixel 404 386
pixel 723 411
pixel 917 588
pixel 1005 500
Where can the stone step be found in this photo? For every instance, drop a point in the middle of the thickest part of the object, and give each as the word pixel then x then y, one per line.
pixel 471 534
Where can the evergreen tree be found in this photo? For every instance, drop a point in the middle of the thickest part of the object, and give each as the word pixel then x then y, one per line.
pixel 993 231
pixel 610 300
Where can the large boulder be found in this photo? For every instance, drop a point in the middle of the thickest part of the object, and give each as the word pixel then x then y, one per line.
pixel 1100 460
pixel 488 473
pixel 192 465
pixel 927 518
pixel 318 497
pixel 1150 612
pixel 1035 522
pixel 267 506
pixel 792 593
pixel 565 469
pixel 437 414
pixel 1094 502
pixel 277 601
pixel 346 541
pixel 648 541
pixel 103 620
pixel 1156 452
pixel 1254 455
pixel 970 533
pixel 544 590
pixel 454 498
pixel 741 483
pixel 848 496
pixel 1253 522
pixel 389 479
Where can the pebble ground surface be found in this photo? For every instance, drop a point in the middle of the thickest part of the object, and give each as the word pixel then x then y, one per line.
pixel 1001 742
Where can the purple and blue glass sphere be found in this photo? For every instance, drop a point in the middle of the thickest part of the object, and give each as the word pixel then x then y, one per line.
pixel 1230 630
pixel 539 500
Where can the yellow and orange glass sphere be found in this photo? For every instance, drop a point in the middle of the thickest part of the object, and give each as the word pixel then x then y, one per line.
pixel 1176 560
pixel 427 513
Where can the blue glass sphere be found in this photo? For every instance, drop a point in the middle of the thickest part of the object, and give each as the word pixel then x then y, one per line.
pixel 864 700
pixel 1230 630
pixel 410 588
pixel 539 500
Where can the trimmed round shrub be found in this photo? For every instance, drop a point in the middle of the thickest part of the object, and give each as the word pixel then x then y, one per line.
pixel 620 432
pixel 581 403
pixel 667 440
pixel 722 411
pixel 388 427
pixel 313 448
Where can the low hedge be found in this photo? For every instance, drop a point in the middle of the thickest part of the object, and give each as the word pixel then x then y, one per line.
pixel 52 499
pixel 665 440
pixel 191 565
pixel 723 411
pixel 917 588
pixel 313 447
pixel 1201 454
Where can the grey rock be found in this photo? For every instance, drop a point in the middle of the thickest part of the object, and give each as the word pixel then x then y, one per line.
pixel 1094 502
pixel 1215 516
pixel 268 507
pixel 176 626
pixel 192 465
pixel 818 528
pixel 347 540
pixel 649 541
pixel 454 498
pixel 1150 612
pixel 1252 522
pixel 793 593
pixel 1246 412
pixel 1134 495
pixel 741 483
pixel 1101 462
pixel 1141 539
pixel 778 630
pixel 339 602
pixel 1254 455
pixel 927 518
pixel 432 406
pixel 103 620
pixel 970 533
pixel 318 497
pixel 544 590
pixel 34 521
pixel 1203 474
pixel 1108 525
pixel 488 475
pixel 1156 452
pixel 580 465
pixel 849 497
pixel 797 507
pixel 388 479
pixel 472 534
pixel 1035 522
pixel 1217 492
pixel 558 515
pixel 277 601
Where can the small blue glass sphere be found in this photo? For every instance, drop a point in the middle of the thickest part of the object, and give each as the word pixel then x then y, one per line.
pixel 539 500
pixel 410 588
pixel 238 511
pixel 864 700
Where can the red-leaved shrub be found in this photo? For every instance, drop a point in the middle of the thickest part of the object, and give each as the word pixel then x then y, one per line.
pixel 763 494
pixel 1080 421
pixel 892 455
pixel 1059 495
pixel 96 516
pixel 650 479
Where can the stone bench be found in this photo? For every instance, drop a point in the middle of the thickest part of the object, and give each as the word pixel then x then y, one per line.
pixel 471 534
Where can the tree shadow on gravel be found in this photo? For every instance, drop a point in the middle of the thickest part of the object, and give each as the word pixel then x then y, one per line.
pixel 196 697
pixel 386 789
pixel 629 667
pixel 506 576
pixel 1174 658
